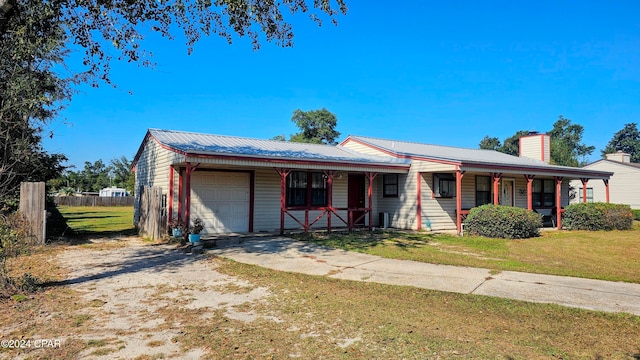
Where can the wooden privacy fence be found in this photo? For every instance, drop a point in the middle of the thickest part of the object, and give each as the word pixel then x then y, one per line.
pixel 93 201
pixel 151 212
pixel 33 208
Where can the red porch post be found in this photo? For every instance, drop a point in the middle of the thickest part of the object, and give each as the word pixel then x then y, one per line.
pixel 370 176
pixel 529 191
pixel 330 175
pixel 187 194
pixel 419 201
pixel 180 195
pixel 283 190
pixel 558 200
pixel 459 176
pixel 606 188
pixel 584 189
pixel 170 200
pixel 496 182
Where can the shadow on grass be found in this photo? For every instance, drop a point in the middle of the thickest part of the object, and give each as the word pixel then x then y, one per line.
pixel 76 228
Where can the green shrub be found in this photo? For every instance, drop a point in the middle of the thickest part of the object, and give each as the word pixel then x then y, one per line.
pixel 503 222
pixel 636 214
pixel 597 216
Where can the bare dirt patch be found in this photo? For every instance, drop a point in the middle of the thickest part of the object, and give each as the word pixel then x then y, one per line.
pixel 127 293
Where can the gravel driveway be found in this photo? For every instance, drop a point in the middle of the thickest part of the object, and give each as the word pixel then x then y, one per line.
pixel 130 284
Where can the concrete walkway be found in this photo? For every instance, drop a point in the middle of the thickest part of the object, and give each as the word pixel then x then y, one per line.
pixel 285 254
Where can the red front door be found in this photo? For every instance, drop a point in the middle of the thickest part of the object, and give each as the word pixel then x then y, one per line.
pixel 357 197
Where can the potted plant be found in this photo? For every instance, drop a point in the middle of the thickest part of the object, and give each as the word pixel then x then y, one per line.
pixel 195 229
pixel 177 228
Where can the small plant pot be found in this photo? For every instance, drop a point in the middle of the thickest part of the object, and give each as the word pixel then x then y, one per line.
pixel 177 232
pixel 194 238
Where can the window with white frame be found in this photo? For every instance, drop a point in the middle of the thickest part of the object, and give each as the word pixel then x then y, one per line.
pixel 589 194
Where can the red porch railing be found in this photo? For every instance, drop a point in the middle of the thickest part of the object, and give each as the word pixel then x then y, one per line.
pixel 350 222
pixel 328 210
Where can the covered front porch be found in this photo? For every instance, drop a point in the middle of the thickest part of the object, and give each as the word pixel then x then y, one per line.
pixel 544 192
pixel 359 209
pixel 236 199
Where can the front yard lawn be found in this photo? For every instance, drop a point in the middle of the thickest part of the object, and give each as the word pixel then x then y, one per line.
pixel 605 255
pixel 99 221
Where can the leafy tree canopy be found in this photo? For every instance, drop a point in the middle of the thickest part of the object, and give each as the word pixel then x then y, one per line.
pixel 30 95
pixel 317 127
pixel 490 143
pixel 511 144
pixel 36 35
pixel 566 143
pixel 626 140
pixel 105 27
pixel 567 148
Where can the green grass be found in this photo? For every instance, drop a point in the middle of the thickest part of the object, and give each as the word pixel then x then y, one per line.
pixel 399 322
pixel 315 317
pixel 605 255
pixel 99 221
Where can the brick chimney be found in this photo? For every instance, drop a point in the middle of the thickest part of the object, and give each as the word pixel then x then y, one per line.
pixel 536 146
pixel 619 157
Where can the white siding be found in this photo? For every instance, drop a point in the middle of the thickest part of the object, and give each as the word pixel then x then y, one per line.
pixel 401 210
pixel 356 146
pixel 426 166
pixel 437 213
pixel 152 169
pixel 536 147
pixel 624 185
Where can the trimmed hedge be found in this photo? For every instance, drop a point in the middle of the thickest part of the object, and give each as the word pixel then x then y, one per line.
pixel 636 214
pixel 597 216
pixel 507 222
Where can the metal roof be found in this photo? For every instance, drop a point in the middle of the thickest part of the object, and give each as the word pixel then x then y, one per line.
pixel 208 144
pixel 463 156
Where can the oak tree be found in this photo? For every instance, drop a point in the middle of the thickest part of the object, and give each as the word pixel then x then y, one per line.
pixel 567 148
pixel 626 140
pixel 317 127
pixel 566 143
pixel 36 36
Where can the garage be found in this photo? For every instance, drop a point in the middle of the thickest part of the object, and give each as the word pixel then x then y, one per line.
pixel 221 200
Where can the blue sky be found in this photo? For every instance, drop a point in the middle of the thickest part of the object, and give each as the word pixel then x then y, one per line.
pixel 435 72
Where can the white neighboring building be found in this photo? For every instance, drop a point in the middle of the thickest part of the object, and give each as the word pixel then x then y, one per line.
pixel 624 184
pixel 114 192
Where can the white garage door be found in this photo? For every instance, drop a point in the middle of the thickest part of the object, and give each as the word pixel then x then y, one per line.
pixel 221 200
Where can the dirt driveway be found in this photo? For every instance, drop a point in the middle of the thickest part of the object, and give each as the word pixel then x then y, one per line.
pixel 129 287
pixel 129 299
